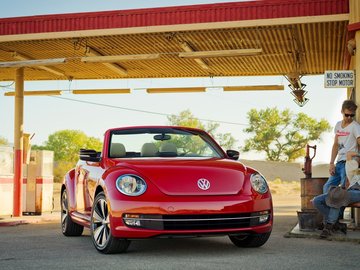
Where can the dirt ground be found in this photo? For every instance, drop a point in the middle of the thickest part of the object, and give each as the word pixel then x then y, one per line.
pixel 286 197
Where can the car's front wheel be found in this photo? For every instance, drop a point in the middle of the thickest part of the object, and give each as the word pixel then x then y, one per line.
pixel 251 240
pixel 68 227
pixel 101 231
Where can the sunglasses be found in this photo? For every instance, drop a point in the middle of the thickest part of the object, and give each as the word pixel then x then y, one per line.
pixel 349 115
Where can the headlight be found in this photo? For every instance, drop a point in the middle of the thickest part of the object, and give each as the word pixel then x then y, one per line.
pixel 131 185
pixel 258 183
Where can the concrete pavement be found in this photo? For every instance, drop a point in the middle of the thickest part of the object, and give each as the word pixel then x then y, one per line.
pixel 42 246
pixel 353 235
pixel 30 219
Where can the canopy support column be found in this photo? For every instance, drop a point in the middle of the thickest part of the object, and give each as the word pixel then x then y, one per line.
pixel 357 96
pixel 354 25
pixel 18 141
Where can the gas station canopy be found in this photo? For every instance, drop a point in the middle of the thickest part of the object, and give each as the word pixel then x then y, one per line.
pixel 254 38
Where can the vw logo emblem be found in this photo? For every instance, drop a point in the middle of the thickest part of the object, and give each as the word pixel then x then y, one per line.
pixel 203 184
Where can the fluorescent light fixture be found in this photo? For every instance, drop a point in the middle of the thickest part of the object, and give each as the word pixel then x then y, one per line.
pixel 214 89
pixel 253 87
pixel 176 90
pixel 33 63
pixel 114 67
pixel 187 48
pixel 119 58
pixel 55 71
pixel 222 53
pixel 138 91
pixel 36 93
pixel 100 91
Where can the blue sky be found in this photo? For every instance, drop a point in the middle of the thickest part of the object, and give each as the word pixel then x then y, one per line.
pixel 45 115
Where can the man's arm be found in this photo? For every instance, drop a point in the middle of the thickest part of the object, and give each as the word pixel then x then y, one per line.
pixel 358 140
pixel 350 155
pixel 357 132
pixel 334 152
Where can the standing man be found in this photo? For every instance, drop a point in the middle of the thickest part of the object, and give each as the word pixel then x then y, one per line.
pixel 347 138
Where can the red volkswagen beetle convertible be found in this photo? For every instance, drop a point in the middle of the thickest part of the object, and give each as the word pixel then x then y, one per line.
pixel 164 182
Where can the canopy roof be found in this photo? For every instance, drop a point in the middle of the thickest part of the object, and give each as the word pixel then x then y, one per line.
pixel 274 37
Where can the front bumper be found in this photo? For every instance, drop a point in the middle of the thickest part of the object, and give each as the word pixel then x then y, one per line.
pixel 176 219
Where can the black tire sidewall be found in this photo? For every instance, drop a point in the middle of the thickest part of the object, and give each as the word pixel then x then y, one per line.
pixel 69 227
pixel 252 241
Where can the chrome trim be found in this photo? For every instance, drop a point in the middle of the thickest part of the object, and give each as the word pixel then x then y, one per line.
pixel 194 219
pixel 80 216
pixel 203 184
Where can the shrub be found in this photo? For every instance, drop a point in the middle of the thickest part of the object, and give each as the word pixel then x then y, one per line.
pixel 60 169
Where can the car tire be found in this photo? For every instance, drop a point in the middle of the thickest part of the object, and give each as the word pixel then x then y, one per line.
pixel 100 228
pixel 249 241
pixel 68 227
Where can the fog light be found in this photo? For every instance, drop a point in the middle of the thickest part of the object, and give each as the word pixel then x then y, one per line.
pixel 264 216
pixel 132 220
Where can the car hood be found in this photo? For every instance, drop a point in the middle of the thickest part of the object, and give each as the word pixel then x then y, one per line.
pixel 183 176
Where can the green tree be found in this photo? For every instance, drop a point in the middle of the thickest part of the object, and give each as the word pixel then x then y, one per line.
pixel 187 119
pixel 282 135
pixel 66 145
pixel 38 147
pixel 3 141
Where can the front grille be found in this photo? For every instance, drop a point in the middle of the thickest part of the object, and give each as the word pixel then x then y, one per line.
pixel 198 222
pixel 205 223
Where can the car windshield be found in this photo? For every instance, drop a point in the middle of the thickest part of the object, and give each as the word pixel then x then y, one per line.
pixel 161 142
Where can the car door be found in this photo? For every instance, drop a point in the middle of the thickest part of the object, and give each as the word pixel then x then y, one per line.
pixel 91 184
pixel 82 175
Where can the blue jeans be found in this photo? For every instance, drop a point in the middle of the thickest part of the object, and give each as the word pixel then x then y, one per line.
pixel 338 178
pixel 331 214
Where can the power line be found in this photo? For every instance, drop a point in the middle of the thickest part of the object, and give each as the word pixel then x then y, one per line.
pixel 7 85
pixel 142 111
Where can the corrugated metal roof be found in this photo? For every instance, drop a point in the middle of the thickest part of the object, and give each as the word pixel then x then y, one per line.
pixel 234 11
pixel 315 43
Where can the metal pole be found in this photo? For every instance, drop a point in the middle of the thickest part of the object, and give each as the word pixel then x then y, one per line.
pixel 18 141
pixel 357 90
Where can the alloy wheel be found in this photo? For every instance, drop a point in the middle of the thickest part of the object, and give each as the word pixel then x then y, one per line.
pixel 100 223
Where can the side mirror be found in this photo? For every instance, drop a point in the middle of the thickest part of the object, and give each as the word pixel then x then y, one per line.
pixel 89 155
pixel 232 154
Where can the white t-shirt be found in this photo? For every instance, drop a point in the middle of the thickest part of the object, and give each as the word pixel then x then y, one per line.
pixel 347 138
